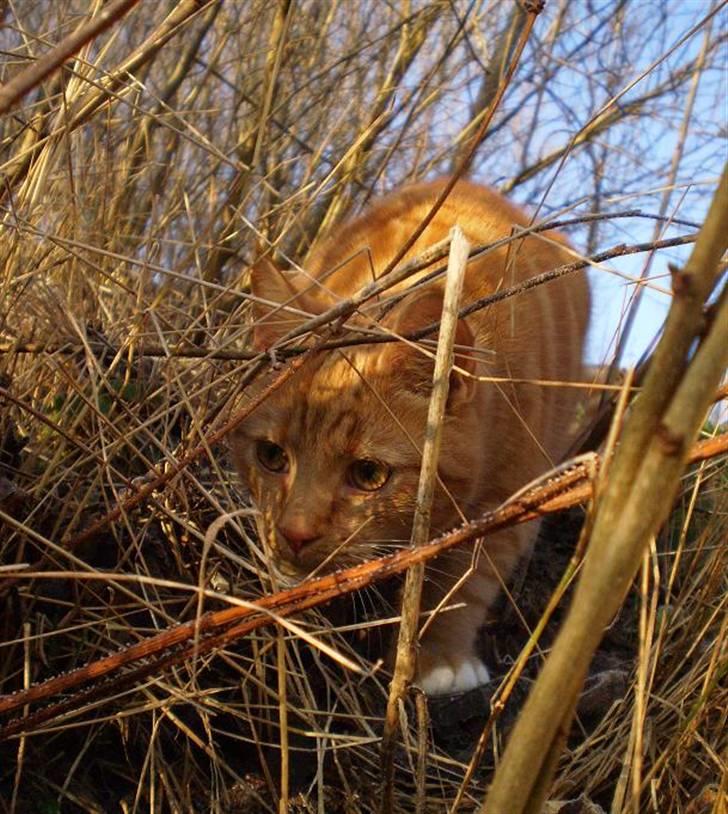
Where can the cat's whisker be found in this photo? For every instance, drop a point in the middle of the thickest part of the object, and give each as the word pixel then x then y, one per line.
pixel 341 546
pixel 373 550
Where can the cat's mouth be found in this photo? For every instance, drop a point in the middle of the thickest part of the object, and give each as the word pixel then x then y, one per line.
pixel 295 570
pixel 294 567
pixel 291 568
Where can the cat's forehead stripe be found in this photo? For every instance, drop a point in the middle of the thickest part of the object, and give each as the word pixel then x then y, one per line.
pixel 328 424
pixel 344 426
pixel 327 412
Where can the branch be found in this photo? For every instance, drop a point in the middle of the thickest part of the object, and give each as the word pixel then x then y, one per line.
pixel 32 76
pixel 633 504
pixel 425 259
pixel 610 113
pixel 105 91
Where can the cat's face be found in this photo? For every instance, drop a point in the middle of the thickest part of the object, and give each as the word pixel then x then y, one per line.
pixel 332 458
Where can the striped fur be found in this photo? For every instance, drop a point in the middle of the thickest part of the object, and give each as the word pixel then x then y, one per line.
pixel 370 402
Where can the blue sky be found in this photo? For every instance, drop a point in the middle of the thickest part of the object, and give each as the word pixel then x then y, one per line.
pixel 669 160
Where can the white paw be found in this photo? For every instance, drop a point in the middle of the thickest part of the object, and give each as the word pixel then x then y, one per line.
pixel 448 677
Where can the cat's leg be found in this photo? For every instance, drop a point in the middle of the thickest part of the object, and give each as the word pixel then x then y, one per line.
pixel 448 660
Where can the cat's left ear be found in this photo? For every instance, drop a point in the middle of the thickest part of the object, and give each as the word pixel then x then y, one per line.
pixel 280 302
pixel 412 364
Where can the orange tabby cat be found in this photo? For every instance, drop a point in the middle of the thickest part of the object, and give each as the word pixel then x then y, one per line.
pixel 332 458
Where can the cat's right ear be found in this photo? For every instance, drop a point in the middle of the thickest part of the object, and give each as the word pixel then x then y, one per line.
pixel 413 368
pixel 279 303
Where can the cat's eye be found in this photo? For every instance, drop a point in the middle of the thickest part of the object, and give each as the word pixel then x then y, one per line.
pixel 368 475
pixel 272 456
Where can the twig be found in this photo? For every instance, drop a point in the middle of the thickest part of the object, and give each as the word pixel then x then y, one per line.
pixel 404 667
pixel 283 719
pixel 533 8
pixel 423 729
pixel 666 196
pixel 432 255
pixel 86 107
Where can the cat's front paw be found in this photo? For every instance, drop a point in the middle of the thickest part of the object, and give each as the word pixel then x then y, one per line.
pixel 441 674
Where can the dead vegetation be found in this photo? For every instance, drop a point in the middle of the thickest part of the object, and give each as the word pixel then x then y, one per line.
pixel 139 182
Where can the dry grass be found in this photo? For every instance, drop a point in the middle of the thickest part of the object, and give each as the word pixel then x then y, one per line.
pixel 139 183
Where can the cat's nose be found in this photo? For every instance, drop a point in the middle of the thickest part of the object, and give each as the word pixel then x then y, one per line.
pixel 298 537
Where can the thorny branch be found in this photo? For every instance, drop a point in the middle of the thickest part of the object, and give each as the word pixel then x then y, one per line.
pixel 569 485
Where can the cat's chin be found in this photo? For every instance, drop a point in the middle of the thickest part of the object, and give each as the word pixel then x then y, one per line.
pixel 287 576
